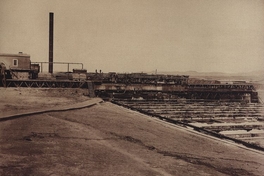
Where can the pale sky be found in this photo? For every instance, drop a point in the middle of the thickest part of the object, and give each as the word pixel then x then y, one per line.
pixel 139 35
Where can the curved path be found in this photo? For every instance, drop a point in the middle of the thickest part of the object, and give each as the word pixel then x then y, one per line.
pixel 80 105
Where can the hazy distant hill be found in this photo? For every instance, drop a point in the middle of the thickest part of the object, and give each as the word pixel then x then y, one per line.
pixel 255 76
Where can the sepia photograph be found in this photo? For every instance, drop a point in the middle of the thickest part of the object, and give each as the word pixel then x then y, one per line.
pixel 132 87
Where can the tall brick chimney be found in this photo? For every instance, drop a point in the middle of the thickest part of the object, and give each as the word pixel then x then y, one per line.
pixel 51 19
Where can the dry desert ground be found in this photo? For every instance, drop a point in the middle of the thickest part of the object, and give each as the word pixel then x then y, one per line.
pixel 106 139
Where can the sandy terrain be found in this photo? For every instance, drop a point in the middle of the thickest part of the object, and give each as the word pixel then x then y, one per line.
pixel 107 140
pixel 17 100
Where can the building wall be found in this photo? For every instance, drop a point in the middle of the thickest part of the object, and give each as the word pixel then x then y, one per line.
pixel 16 61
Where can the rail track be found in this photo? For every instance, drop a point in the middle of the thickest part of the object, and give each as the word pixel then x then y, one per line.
pixel 46 83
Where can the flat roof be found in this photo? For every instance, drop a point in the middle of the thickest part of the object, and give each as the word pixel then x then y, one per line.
pixel 14 55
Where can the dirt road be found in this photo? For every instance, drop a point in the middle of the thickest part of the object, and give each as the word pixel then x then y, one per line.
pixel 106 139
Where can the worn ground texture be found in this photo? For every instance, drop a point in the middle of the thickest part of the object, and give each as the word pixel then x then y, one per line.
pixel 106 139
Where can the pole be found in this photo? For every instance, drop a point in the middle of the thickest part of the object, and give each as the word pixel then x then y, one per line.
pixel 51 19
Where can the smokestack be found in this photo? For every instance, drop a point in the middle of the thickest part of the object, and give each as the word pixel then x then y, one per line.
pixel 51 19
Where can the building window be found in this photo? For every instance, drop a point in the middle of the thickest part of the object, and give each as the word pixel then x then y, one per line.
pixel 15 62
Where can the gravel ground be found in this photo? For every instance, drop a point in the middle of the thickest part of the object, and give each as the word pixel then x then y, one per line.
pixel 107 140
